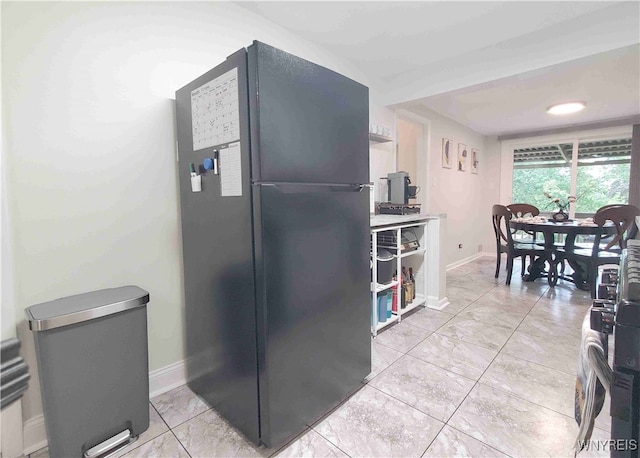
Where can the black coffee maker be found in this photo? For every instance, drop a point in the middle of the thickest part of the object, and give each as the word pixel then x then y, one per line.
pixel 399 189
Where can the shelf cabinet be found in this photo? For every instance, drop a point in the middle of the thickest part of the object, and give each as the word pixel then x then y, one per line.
pixel 414 259
pixel 377 138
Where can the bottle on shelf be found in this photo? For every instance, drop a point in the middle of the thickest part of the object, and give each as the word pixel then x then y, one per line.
pixel 394 300
pixel 402 291
pixel 408 287
pixel 413 282
pixel 382 307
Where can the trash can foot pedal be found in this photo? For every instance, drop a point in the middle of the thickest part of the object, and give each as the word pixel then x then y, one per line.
pixel 111 445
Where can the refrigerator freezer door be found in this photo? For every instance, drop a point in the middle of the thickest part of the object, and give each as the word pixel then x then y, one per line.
pixel 313 302
pixel 308 123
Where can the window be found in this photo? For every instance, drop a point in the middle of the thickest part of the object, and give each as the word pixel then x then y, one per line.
pixel 603 174
pixel 601 171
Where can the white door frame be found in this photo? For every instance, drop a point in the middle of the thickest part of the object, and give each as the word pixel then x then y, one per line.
pixel 422 164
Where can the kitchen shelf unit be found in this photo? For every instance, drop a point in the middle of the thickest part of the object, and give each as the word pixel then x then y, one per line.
pixel 380 287
pixel 377 138
pixel 415 259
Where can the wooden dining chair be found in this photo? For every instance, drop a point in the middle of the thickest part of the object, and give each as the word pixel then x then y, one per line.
pixel 501 216
pixel 520 210
pixel 624 218
pixel 588 243
pixel 524 237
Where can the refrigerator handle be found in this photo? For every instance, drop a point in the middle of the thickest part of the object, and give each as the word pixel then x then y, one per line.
pixel 290 188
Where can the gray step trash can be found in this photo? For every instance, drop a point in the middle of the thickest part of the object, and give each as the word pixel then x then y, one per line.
pixel 94 372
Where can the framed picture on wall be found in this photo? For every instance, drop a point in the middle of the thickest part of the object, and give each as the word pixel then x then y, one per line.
pixel 447 151
pixel 474 160
pixel 462 157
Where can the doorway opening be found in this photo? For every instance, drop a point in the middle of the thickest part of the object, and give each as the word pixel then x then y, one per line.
pixel 411 154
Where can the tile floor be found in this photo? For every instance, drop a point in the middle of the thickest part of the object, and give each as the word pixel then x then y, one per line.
pixel 492 374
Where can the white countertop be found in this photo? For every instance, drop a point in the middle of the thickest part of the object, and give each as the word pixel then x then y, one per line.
pixel 392 220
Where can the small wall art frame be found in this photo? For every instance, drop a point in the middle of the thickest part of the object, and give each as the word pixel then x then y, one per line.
pixel 447 152
pixel 474 160
pixel 462 157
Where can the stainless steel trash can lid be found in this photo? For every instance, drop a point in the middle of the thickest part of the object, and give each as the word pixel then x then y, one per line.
pixel 84 307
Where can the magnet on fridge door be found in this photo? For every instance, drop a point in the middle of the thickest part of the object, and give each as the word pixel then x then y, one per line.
pixel 196 180
pixel 196 183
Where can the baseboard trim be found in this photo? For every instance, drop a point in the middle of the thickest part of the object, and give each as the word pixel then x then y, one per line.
pixel 167 378
pixel 437 304
pixel 160 381
pixel 34 434
pixel 464 261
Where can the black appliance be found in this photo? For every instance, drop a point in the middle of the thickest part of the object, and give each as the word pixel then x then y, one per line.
pixel 386 208
pixel 273 156
pixel 617 312
pixel 625 386
pixel 408 240
pixel 398 188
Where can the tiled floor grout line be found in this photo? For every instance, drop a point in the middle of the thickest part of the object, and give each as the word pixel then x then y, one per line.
pixel 195 416
pixel 173 432
pixel 444 423
pixel 155 437
pixel 140 444
pixel 180 442
pixel 541 294
pixel 433 440
pixel 465 434
pixel 414 326
pixel 408 405
pixel 535 362
pixel 407 354
pixel 526 360
pixel 485 370
pixel 328 440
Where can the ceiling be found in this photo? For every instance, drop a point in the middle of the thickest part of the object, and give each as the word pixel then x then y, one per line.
pixel 608 82
pixel 492 66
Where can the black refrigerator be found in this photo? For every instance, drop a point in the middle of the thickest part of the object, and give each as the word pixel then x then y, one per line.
pixel 273 165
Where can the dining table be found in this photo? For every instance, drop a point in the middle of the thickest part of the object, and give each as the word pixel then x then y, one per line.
pixel 556 252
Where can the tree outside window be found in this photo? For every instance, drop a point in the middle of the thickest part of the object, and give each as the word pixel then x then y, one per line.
pixel 602 174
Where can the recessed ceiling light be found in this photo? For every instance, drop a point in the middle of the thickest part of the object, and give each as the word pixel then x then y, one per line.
pixel 566 108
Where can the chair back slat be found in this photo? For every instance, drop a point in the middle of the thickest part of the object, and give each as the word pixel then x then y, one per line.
pixel 501 217
pixel 623 217
pixel 520 210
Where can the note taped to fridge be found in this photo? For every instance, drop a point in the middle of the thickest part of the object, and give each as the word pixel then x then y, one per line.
pixel 215 116
pixel 231 171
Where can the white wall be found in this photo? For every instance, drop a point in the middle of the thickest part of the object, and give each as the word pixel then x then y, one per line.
pixel 90 145
pixel 466 198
